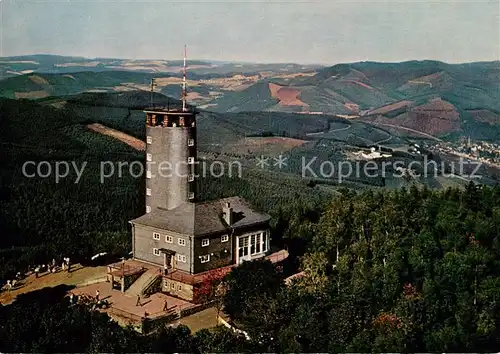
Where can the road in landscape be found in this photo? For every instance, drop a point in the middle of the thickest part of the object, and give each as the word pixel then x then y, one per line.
pixel 404 128
pixel 330 131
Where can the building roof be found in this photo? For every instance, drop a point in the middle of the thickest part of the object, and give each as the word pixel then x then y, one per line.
pixel 204 218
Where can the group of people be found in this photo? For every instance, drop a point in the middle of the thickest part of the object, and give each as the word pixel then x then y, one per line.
pixel 52 267
pixel 12 283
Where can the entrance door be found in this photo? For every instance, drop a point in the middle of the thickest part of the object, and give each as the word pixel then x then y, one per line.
pixel 168 262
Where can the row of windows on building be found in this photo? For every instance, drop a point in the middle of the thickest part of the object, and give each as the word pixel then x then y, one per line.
pixel 182 257
pixel 172 287
pixel 190 178
pixel 149 140
pixel 182 242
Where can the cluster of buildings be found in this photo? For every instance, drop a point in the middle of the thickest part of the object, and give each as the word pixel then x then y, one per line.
pixel 479 150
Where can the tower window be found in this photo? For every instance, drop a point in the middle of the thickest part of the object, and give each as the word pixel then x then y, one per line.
pixel 191 195
pixel 224 238
pixel 205 242
pixel 148 191
pixel 149 139
pixel 190 178
pixel 169 239
pixel 181 242
pixel 190 160
pixel 149 157
pixel 190 142
pixel 205 258
pixel 156 235
pixel 148 209
pixel 181 258
pixel 156 251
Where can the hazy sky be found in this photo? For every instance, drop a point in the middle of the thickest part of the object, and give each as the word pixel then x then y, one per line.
pixel 326 31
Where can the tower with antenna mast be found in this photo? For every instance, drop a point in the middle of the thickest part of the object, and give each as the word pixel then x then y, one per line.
pixel 171 140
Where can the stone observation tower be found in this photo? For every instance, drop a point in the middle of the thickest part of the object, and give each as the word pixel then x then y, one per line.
pixel 170 158
pixel 170 154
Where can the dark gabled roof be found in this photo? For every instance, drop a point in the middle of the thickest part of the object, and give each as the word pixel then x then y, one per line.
pixel 198 219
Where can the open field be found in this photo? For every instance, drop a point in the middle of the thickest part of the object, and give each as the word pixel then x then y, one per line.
pixel 287 96
pixel 264 145
pixel 78 275
pixel 200 320
pixel 127 139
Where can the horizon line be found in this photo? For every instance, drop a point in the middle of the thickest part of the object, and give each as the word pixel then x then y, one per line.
pixel 324 64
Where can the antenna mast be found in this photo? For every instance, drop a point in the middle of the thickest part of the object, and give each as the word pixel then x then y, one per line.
pixel 153 84
pixel 184 93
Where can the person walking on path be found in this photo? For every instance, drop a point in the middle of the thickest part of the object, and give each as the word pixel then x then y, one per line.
pixel 165 306
pixel 97 295
pixel 138 302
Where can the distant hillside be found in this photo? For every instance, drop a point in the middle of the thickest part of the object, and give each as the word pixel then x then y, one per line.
pixel 34 86
pixel 404 95
pixel 57 64
pixel 386 90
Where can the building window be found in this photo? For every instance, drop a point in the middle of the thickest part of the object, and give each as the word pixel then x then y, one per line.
pixel 205 258
pixel 190 160
pixel 181 258
pixel 148 174
pixel 191 195
pixel 156 235
pixel 190 178
pixel 190 142
pixel 169 239
pixel 149 140
pixel 148 191
pixel 224 238
pixel 181 242
pixel 156 251
pixel 205 242
pixel 149 157
pixel 253 244
pixel 264 242
pixel 148 209
pixel 243 246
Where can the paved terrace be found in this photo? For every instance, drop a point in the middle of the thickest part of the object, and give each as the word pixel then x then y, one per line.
pixel 125 305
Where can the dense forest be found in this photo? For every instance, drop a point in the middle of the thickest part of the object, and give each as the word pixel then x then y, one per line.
pixel 405 271
pixel 402 271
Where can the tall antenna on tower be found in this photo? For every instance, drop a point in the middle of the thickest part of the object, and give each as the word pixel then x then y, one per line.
pixel 153 84
pixel 184 93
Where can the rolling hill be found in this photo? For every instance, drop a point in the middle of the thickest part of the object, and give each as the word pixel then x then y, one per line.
pixel 431 97
pixel 414 94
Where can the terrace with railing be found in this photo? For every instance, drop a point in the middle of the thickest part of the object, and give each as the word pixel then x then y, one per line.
pixel 123 269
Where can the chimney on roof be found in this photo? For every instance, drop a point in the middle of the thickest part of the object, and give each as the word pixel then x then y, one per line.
pixel 227 212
